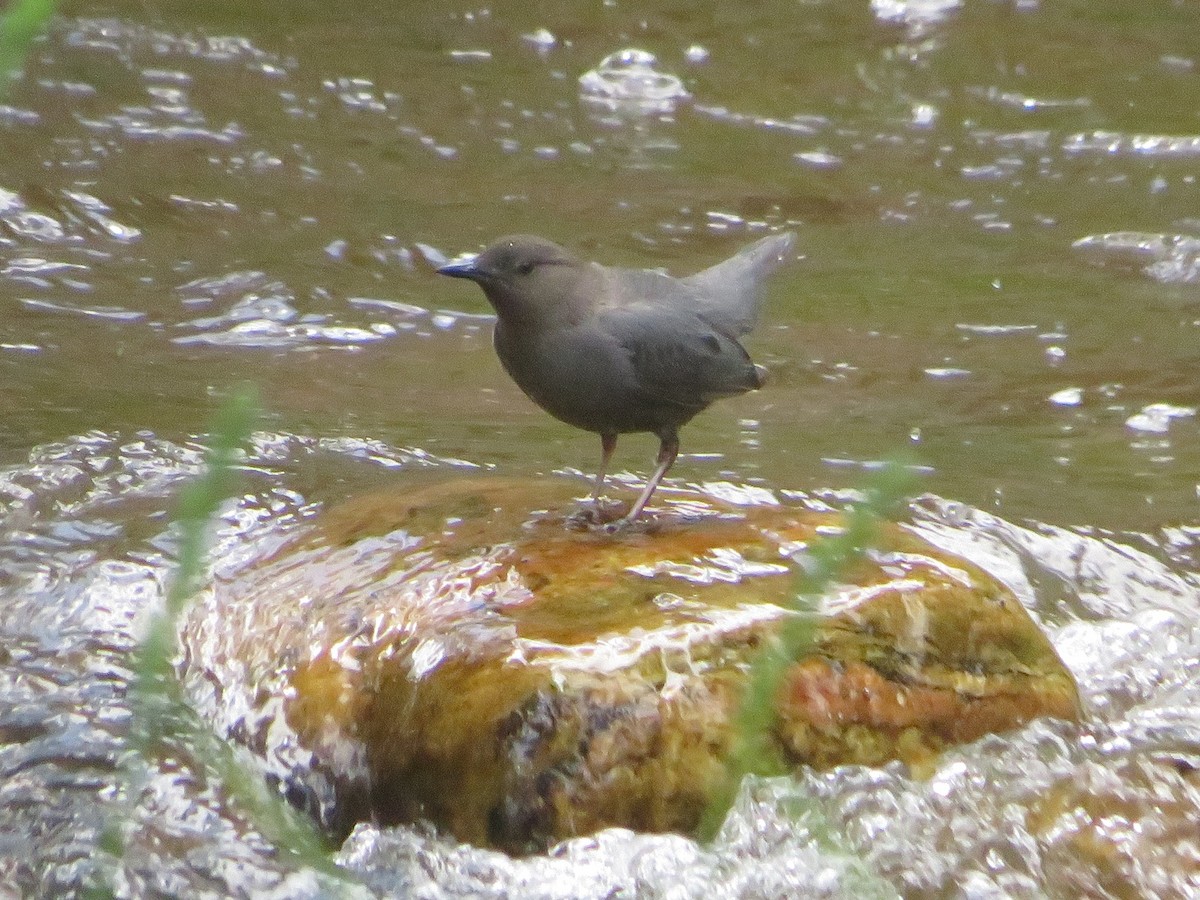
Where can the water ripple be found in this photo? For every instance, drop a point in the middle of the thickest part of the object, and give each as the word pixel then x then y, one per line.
pixel 128 40
pixel 109 313
pixel 1116 143
pixel 1166 258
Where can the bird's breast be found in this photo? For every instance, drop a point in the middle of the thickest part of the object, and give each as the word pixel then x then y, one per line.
pixel 583 377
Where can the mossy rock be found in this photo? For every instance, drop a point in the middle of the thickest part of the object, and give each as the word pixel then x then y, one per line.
pixel 440 654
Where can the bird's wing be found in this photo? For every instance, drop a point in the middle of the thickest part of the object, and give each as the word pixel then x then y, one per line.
pixel 730 292
pixel 678 357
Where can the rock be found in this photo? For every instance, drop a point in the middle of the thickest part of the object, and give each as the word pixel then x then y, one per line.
pixel 436 653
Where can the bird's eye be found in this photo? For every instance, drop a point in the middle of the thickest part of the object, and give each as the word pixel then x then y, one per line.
pixel 525 268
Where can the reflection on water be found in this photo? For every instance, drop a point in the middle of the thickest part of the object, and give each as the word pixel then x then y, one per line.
pixel 997 211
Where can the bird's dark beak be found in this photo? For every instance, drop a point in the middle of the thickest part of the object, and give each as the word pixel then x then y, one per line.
pixel 462 269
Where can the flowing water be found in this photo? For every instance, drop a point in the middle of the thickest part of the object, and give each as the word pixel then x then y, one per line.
pixel 998 218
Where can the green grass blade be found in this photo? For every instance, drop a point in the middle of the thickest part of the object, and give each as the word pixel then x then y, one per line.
pixel 19 28
pixel 161 716
pixel 754 751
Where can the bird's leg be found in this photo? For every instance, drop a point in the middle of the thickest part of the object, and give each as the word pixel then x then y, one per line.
pixel 667 452
pixel 608 443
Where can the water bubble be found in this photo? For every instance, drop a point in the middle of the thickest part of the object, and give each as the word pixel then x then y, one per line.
pixel 917 15
pixel 542 40
pixel 944 373
pixel 629 80
pixel 1067 397
pixel 818 159
pixel 1156 418
pixel 924 115
pixel 1177 63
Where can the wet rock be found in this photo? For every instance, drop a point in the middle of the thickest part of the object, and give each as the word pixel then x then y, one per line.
pixel 436 653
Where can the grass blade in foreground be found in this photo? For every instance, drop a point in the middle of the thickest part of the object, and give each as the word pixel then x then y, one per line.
pixel 20 27
pixel 753 751
pixel 161 716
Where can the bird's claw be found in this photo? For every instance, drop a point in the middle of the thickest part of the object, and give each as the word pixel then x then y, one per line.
pixel 597 514
pixel 617 526
pixel 607 517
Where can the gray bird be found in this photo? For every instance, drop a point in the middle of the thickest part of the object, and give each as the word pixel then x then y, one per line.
pixel 616 351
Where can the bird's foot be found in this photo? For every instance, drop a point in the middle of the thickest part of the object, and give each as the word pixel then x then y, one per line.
pixel 642 524
pixel 598 513
pixel 610 517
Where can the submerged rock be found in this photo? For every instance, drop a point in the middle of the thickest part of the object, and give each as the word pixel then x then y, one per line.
pixel 439 654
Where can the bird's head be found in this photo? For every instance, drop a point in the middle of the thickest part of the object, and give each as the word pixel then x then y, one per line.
pixel 527 279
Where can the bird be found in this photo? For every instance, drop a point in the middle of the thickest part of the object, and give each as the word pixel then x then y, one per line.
pixel 617 351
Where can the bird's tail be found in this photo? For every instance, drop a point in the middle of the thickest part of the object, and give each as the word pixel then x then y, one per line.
pixel 733 289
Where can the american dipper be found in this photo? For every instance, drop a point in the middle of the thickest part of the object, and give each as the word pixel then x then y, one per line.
pixel 623 350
